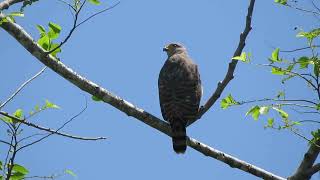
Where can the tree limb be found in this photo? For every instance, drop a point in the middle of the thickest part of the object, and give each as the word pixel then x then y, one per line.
pixel 86 85
pixel 7 3
pixel 306 168
pixel 232 66
pixel 48 129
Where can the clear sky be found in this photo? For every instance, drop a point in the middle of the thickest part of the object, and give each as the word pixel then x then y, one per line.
pixel 121 50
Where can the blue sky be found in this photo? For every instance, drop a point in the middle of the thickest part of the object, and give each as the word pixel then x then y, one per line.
pixel 121 50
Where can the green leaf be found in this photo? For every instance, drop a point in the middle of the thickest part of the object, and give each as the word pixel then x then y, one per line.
pixel 318 107
pixel 68 171
pixel 228 101
pixel 290 67
pixel 19 14
pixel 51 105
pixel 17 176
pixel 287 78
pixel 18 113
pixel 282 113
pixel 277 71
pixel 270 122
pixel 264 109
pixel 41 30
pixel 309 35
pixel 255 112
pixel 6 119
pixel 54 30
pixel 275 56
pixel 95 98
pixel 20 169
pixel 95 2
pixel 243 57
pixel 282 2
pixel 55 52
pixel 44 42
pixel 304 62
pixel 1 166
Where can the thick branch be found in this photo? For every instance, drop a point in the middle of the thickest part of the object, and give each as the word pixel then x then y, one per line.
pixel 306 168
pixel 232 65
pixel 7 3
pixel 26 41
pixel 48 129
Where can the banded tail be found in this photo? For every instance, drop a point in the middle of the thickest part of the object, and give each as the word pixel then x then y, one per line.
pixel 179 137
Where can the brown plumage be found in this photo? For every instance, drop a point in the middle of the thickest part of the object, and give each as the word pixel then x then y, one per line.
pixel 179 93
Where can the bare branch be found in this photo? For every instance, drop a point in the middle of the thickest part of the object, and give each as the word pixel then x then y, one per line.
pixel 7 3
pixel 22 86
pixel 305 169
pixel 277 100
pixel 232 65
pixel 71 119
pixel 5 142
pixel 48 129
pixel 95 14
pixel 75 23
pixel 303 10
pixel 299 49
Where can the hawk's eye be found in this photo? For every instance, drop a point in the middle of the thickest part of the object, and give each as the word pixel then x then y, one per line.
pixel 175 45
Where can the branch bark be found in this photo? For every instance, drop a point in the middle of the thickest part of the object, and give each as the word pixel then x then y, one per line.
pixel 131 110
pixel 232 66
pixel 306 168
pixel 7 3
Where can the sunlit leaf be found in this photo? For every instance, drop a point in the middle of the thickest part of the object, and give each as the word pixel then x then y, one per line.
pixel 254 112
pixel 51 105
pixel 264 109
pixel 277 71
pixel 275 56
pixel 282 113
pixel 54 30
pixel 228 101
pixel 19 14
pixel 18 113
pixel 243 57
pixel 68 171
pixel 282 2
pixel 95 2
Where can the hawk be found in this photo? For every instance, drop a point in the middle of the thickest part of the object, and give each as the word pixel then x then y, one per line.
pixel 179 93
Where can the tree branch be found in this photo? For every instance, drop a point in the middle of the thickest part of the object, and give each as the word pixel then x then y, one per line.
pixel 27 42
pixel 22 86
pixel 232 66
pixel 48 129
pixel 306 168
pixel 7 3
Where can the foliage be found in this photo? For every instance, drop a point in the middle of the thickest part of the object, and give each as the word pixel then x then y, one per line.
pixel 305 68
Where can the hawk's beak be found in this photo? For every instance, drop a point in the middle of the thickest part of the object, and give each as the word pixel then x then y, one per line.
pixel 165 49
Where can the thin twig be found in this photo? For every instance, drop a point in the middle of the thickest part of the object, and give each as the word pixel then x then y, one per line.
pixel 277 100
pixel 22 86
pixel 299 49
pixel 48 129
pixel 309 120
pixel 31 136
pixel 75 24
pixel 75 116
pixel 95 14
pixel 5 142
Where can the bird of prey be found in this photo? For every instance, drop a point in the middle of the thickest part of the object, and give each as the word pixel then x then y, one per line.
pixel 179 93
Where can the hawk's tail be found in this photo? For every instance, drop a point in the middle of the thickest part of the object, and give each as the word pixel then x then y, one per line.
pixel 179 137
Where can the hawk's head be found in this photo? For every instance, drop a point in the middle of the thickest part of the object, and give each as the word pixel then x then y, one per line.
pixel 174 48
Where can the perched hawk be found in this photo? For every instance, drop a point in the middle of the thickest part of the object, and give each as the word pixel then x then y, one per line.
pixel 179 93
